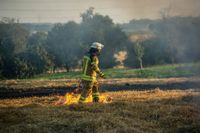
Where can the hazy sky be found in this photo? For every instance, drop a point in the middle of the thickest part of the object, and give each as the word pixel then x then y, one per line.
pixel 119 10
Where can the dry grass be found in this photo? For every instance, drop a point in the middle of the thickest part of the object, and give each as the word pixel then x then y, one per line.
pixel 130 111
pixel 29 84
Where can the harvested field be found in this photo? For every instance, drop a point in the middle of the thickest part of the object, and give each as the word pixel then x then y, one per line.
pixel 135 105
pixel 130 111
pixel 25 88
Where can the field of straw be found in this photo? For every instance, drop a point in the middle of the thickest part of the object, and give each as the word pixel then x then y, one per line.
pixel 127 111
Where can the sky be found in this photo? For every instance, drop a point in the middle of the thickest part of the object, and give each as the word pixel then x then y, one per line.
pixel 121 11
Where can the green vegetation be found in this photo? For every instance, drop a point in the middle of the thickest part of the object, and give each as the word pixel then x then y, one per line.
pixel 165 71
pixel 24 54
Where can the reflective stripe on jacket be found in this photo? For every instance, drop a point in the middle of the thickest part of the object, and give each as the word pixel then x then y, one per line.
pixel 90 68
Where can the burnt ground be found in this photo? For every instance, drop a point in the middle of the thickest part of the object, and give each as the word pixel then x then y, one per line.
pixel 28 91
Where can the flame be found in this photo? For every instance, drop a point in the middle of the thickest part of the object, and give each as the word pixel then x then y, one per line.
pixel 72 98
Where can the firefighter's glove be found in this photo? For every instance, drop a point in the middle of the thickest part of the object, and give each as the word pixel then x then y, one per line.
pixel 102 75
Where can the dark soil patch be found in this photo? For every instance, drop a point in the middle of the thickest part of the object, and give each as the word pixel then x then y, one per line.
pixel 8 92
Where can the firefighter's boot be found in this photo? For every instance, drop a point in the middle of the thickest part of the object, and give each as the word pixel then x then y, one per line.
pixel 95 97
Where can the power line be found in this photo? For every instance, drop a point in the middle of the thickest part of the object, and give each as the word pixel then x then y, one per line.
pixel 75 9
pixel 116 15
pixel 60 1
pixel 40 17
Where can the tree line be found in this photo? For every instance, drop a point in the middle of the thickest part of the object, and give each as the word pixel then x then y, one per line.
pixel 24 54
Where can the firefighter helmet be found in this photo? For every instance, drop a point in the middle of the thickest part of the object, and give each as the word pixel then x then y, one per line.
pixel 97 45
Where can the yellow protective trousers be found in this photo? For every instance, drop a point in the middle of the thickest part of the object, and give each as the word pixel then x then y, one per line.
pixel 89 87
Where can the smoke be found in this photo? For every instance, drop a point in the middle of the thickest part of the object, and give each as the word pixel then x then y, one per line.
pixel 181 35
pixel 119 10
pixel 137 38
pixel 152 8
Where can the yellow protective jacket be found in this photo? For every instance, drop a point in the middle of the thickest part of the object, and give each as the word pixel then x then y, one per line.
pixel 90 68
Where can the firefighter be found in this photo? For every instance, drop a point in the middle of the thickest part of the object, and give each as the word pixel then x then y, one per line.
pixel 89 73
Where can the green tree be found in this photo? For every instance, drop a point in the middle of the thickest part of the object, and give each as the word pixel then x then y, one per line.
pixel 139 52
pixel 13 40
pixel 180 36
pixel 64 45
pixel 99 28
pixel 35 59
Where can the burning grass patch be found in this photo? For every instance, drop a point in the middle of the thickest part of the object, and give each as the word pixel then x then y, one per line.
pixel 129 111
pixel 71 98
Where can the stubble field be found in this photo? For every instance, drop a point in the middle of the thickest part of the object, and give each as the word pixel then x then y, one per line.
pixel 155 110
